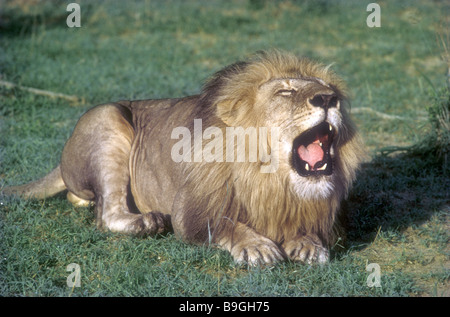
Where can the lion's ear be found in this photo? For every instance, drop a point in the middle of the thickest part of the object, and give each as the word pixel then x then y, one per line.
pixel 228 111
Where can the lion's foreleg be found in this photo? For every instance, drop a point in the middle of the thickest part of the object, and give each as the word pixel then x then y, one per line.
pixel 248 246
pixel 306 248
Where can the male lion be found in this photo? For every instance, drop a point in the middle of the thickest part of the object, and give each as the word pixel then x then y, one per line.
pixel 127 158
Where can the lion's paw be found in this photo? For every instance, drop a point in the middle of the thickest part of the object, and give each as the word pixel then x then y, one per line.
pixel 307 249
pixel 263 251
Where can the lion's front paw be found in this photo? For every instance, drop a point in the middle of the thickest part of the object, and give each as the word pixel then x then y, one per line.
pixel 307 249
pixel 261 251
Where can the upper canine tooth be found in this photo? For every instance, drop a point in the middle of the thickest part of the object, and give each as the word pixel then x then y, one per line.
pixel 330 127
pixel 320 143
pixel 323 167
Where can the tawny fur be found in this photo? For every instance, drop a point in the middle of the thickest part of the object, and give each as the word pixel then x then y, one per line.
pixel 258 217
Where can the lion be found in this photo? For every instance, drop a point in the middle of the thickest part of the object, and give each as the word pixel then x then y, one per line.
pixel 157 166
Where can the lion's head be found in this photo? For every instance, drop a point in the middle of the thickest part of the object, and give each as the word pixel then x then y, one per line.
pixel 318 146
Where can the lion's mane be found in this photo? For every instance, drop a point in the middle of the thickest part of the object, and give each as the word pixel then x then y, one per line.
pixel 222 194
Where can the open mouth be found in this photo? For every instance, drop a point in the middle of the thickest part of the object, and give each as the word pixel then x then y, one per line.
pixel 311 151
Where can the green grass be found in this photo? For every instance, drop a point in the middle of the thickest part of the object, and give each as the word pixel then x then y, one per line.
pixel 398 211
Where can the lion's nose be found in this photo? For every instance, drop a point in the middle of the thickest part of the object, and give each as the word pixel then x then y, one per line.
pixel 324 101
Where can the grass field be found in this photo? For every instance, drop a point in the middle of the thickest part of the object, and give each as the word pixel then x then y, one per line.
pixel 398 210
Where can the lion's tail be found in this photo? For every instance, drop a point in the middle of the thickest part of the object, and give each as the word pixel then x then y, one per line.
pixel 47 186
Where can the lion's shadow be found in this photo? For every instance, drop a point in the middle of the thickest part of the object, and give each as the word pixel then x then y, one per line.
pixel 393 193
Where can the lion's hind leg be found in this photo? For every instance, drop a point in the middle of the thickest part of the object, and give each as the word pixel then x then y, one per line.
pixel 95 168
pixel 112 202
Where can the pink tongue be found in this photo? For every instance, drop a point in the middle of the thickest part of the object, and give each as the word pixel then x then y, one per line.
pixel 311 154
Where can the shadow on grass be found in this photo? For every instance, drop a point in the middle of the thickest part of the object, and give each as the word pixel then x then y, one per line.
pixel 17 21
pixel 394 193
pixel 23 18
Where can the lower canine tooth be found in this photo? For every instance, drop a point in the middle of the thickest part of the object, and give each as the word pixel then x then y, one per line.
pixel 323 167
pixel 307 166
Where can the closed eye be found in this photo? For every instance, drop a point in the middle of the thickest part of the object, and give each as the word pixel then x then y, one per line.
pixel 285 92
